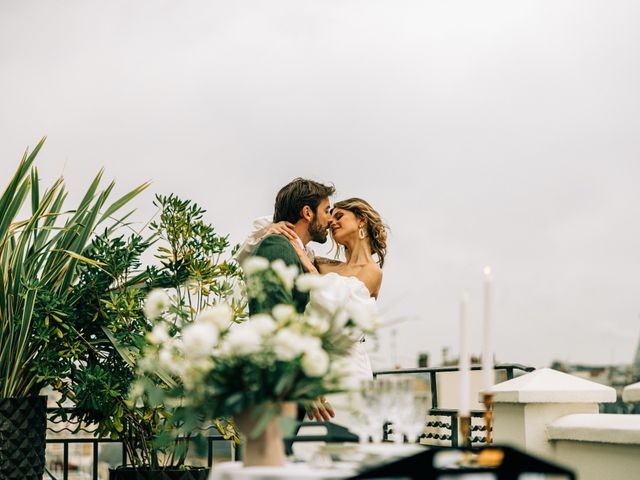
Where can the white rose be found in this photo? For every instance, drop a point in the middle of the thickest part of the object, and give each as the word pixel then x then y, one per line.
pixel 199 339
pixel 158 334
pixel 317 323
pixel 254 265
pixel 309 281
pixel 193 371
pixel 364 315
pixel 263 324
pixel 156 303
pixel 166 360
pixel 242 340
pixel 339 320
pixel 283 312
pixel 331 296
pixel 287 345
pixel 315 362
pixel 220 315
pixel 309 343
pixel 344 371
pixel 286 273
pixel 137 390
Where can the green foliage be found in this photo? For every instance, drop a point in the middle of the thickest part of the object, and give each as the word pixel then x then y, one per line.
pixel 40 258
pixel 95 367
pixel 192 252
pixel 72 290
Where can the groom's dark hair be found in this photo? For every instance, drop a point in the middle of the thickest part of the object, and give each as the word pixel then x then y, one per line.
pixel 295 195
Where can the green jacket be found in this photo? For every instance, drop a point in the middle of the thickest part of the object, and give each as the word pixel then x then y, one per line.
pixel 273 247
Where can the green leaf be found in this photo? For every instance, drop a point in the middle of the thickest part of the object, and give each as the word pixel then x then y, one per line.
pixel 122 201
pixel 77 256
pixel 265 418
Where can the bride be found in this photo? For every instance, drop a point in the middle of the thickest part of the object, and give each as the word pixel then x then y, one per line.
pixel 358 230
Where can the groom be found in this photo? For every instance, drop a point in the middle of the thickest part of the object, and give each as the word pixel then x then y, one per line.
pixel 305 204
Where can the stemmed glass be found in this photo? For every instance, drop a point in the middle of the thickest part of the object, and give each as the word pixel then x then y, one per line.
pixel 396 396
pixel 366 411
pixel 408 401
pixel 375 406
pixel 359 421
pixel 403 402
pixel 412 419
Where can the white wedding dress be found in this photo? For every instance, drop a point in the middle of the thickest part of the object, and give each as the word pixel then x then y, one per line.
pixel 340 290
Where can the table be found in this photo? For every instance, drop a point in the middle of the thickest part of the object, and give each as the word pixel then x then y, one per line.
pixel 309 471
pixel 303 471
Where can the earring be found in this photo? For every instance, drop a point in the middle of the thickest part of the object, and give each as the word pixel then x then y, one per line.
pixel 361 233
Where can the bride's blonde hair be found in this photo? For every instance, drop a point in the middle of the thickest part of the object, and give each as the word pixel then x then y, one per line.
pixel 375 227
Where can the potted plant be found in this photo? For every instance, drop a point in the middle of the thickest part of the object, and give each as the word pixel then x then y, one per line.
pixel 40 257
pixel 192 272
pixel 249 371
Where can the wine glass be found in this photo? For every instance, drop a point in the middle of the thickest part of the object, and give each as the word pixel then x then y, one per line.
pixel 413 418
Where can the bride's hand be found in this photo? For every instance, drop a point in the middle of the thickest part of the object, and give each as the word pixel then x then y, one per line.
pixel 282 228
pixel 320 410
pixel 307 264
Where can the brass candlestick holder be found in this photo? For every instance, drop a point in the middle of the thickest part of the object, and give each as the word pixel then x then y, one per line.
pixel 468 458
pixel 487 400
pixel 465 430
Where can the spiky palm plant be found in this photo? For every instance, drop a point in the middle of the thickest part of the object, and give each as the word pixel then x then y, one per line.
pixel 41 254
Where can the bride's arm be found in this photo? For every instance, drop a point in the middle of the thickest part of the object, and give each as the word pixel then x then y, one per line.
pixel 307 264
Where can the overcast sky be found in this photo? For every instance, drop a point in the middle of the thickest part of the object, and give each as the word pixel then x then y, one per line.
pixel 495 132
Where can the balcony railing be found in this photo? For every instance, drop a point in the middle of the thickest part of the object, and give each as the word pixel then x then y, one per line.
pixel 62 468
pixel 441 425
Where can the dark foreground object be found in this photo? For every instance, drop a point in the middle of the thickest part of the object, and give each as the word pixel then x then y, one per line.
pixel 430 465
pixel 130 473
pixel 23 424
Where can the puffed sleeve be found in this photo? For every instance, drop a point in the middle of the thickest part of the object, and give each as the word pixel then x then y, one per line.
pixel 260 226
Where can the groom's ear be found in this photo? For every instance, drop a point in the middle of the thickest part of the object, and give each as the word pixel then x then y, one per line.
pixel 307 213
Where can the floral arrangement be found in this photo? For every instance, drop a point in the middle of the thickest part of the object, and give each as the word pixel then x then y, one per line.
pixel 223 368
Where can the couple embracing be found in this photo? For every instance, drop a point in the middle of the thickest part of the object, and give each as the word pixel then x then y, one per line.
pixel 303 214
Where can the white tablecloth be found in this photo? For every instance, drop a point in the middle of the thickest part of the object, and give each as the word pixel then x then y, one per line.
pixel 306 471
pixel 235 471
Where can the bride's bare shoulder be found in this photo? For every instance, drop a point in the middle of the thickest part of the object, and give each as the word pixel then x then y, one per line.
pixel 371 276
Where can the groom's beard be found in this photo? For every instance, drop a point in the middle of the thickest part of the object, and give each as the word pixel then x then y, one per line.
pixel 317 232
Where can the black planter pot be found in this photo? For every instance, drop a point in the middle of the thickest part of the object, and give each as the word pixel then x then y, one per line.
pixel 23 426
pixel 130 473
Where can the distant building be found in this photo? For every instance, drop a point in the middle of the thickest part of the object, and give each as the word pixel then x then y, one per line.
pixel 616 376
pixel 423 360
pixel 636 364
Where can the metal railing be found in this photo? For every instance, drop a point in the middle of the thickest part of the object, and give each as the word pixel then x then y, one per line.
pixel 441 423
pixel 95 443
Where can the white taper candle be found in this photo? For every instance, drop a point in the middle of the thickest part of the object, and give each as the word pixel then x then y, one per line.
pixel 488 374
pixel 464 363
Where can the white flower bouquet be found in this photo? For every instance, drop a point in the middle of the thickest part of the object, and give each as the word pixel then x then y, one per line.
pixel 222 368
